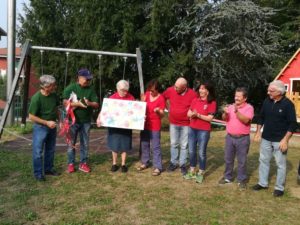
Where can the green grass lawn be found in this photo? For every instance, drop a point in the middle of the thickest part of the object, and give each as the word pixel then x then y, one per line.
pixel 102 197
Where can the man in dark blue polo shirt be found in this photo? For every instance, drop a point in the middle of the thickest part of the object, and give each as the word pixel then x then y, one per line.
pixel 278 118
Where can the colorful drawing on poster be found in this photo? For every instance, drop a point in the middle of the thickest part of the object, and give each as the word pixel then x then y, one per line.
pixel 123 114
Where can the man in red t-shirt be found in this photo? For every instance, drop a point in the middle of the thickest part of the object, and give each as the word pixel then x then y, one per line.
pixel 180 98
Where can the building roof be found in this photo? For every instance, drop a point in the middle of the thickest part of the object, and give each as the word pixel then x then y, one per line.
pixel 281 73
pixel 3 52
pixel 2 32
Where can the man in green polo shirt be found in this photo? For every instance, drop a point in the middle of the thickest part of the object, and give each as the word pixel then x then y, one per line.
pixel 43 112
pixel 83 108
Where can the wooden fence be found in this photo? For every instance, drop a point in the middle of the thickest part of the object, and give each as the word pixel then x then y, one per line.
pixel 295 98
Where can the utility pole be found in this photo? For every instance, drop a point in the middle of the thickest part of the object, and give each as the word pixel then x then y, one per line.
pixel 11 53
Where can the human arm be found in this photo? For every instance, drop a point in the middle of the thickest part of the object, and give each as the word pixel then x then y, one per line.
pixel 92 104
pixel 283 144
pixel 207 118
pixel 246 116
pixel 98 121
pixel 191 114
pixel 49 123
pixel 225 114
pixel 257 135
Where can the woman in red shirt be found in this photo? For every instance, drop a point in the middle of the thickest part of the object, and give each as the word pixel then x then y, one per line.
pixel 151 133
pixel 201 113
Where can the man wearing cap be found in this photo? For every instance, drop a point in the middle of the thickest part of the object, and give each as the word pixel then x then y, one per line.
pixel 83 108
pixel 43 112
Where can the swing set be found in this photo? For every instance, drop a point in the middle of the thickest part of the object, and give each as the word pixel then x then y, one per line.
pixel 25 63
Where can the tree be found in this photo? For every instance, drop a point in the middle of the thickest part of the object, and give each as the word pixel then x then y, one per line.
pixel 233 45
pixel 287 19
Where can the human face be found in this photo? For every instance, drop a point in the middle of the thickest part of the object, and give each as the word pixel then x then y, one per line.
pixel 153 92
pixel 273 92
pixel 239 98
pixel 203 92
pixel 50 88
pixel 179 88
pixel 122 92
pixel 83 82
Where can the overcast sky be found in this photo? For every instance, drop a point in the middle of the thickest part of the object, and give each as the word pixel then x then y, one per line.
pixel 3 16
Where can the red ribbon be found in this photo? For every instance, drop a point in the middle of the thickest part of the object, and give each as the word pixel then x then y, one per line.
pixel 65 126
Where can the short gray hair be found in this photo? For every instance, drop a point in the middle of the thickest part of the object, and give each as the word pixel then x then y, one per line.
pixel 123 84
pixel 279 85
pixel 46 80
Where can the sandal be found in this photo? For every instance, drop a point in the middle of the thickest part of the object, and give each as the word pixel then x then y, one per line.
pixel 156 172
pixel 141 167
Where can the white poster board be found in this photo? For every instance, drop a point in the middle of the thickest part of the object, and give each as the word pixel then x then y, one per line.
pixel 123 114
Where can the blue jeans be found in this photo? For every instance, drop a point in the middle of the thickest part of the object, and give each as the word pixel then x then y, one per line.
pixel 43 138
pixel 267 150
pixel 179 138
pixel 201 138
pixel 84 134
pixel 153 137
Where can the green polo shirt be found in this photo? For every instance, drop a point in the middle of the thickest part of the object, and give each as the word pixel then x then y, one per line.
pixel 82 115
pixel 44 107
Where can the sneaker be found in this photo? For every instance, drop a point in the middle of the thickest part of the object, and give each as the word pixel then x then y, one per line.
pixel 199 178
pixel 124 169
pixel 224 181
pixel 190 175
pixel 84 168
pixel 258 187
pixel 183 170
pixel 114 168
pixel 172 167
pixel 278 193
pixel 242 186
pixel 71 168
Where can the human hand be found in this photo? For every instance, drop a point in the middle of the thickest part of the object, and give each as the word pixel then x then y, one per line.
pixel 143 97
pixel 225 109
pixel 51 124
pixel 283 145
pixel 257 136
pixel 156 110
pixel 78 104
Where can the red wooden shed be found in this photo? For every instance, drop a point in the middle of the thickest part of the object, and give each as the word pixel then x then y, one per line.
pixel 290 76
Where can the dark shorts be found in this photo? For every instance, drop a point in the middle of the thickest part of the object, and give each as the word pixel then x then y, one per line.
pixel 119 140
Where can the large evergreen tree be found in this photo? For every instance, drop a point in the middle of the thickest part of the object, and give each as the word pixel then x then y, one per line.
pixel 233 44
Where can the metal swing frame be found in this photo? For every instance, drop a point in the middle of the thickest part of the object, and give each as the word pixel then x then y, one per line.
pixel 25 62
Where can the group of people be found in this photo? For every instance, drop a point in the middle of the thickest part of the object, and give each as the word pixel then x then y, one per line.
pixel 190 115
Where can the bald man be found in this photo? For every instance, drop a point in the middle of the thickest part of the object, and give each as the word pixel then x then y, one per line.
pixel 179 98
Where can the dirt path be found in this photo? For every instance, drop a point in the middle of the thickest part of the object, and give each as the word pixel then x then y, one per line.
pixel 97 142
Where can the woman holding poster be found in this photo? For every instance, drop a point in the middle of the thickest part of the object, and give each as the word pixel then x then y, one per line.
pixel 119 140
pixel 151 133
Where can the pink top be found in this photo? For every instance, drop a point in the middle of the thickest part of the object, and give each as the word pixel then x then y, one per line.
pixel 234 125
pixel 153 120
pixel 179 105
pixel 204 108
pixel 128 96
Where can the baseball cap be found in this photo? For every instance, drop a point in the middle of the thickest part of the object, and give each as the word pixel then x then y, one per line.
pixel 85 73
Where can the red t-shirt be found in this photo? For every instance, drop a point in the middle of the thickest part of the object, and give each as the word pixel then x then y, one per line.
pixel 153 120
pixel 179 105
pixel 128 96
pixel 204 108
